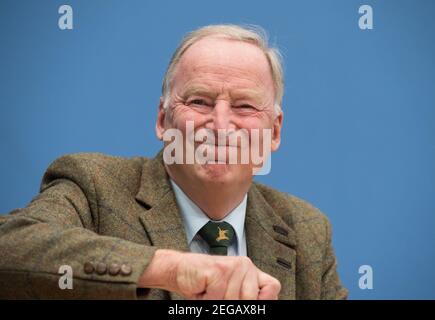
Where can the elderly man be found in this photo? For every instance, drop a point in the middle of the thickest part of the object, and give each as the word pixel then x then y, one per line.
pixel 164 229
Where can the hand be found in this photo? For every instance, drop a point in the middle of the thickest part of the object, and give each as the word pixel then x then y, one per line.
pixel 201 276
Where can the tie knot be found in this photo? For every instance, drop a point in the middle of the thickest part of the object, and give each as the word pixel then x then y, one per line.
pixel 218 235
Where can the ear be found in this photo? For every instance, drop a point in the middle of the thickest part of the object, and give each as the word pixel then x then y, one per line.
pixel 276 132
pixel 160 121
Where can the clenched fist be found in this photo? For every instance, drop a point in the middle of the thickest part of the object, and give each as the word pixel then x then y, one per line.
pixel 201 276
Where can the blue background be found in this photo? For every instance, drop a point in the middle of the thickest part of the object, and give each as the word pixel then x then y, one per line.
pixel 359 130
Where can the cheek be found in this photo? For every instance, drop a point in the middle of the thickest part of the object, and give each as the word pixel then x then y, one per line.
pixel 255 122
pixel 180 114
pixel 255 126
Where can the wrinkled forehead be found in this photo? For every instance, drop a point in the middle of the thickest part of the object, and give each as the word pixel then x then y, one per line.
pixel 225 58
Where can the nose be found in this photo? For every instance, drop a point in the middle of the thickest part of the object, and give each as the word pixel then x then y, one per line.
pixel 221 116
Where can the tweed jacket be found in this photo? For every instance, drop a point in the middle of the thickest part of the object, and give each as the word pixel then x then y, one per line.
pixel 96 213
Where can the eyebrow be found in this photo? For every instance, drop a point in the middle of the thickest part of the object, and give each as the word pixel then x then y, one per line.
pixel 240 94
pixel 237 94
pixel 199 90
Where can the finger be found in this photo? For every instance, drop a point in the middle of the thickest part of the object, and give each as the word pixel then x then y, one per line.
pixel 235 281
pixel 250 288
pixel 269 287
pixel 190 282
pixel 216 284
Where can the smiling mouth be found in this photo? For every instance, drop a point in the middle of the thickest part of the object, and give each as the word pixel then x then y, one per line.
pixel 216 163
pixel 205 143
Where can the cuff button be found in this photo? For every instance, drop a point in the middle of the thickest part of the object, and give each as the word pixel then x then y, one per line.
pixel 126 270
pixel 89 267
pixel 114 269
pixel 101 268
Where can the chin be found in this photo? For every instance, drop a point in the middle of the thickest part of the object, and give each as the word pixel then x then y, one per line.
pixel 222 172
pixel 217 172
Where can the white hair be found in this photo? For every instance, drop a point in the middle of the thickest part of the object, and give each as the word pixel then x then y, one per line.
pixel 251 34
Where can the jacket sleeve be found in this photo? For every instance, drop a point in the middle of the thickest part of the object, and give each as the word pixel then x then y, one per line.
pixel 58 228
pixel 332 289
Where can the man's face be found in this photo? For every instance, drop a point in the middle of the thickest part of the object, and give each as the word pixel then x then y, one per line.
pixel 225 85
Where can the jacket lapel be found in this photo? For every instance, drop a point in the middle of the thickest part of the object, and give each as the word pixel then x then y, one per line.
pixel 162 220
pixel 271 243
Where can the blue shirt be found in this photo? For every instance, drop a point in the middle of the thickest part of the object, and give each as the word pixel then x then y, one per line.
pixel 194 219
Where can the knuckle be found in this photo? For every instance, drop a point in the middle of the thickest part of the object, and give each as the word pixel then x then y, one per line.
pixel 246 261
pixel 219 270
pixel 213 273
pixel 277 284
pixel 220 267
pixel 242 263
pixel 238 263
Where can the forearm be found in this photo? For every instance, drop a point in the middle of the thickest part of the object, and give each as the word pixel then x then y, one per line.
pixel 33 252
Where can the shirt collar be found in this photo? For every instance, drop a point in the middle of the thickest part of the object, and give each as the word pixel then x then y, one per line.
pixel 194 218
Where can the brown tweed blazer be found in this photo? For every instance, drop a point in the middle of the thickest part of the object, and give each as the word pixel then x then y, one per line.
pixel 105 210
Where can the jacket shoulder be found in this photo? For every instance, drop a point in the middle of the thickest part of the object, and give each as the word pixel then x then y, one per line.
pixel 95 168
pixel 293 210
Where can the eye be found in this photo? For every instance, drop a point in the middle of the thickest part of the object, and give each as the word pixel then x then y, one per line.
pixel 245 107
pixel 199 102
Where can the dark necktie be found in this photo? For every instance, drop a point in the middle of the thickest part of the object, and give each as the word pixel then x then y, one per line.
pixel 218 235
